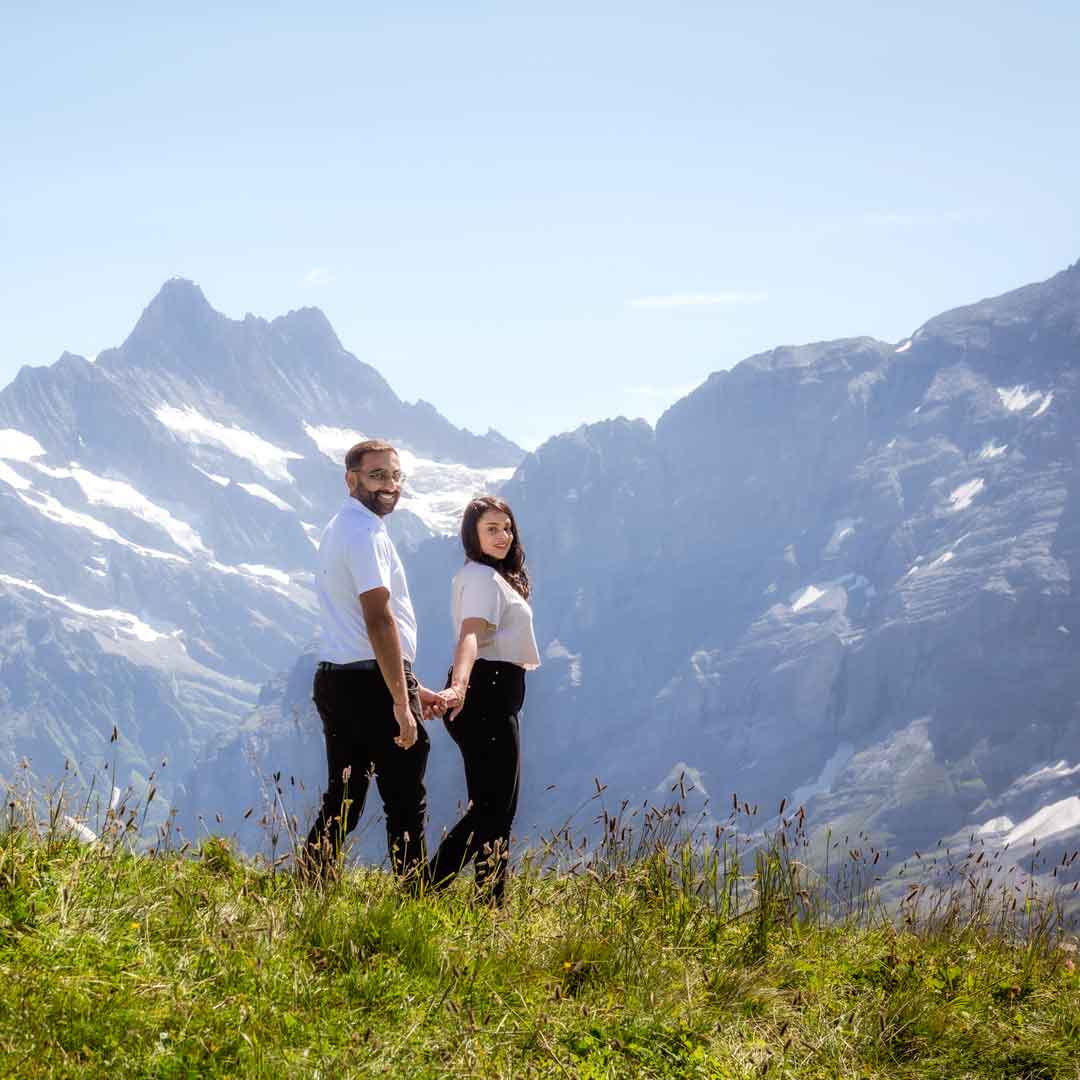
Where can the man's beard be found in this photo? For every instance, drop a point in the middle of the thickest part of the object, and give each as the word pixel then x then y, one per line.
pixel 371 500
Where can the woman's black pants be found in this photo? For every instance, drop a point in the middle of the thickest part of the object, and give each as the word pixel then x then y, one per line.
pixel 486 732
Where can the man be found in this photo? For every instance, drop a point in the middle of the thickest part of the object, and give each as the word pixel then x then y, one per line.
pixel 367 697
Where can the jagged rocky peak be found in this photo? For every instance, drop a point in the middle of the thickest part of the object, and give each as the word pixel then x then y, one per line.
pixel 513 452
pixel 592 454
pixel 266 371
pixel 34 375
pixel 309 325
pixel 177 329
pixel 178 300
pixel 72 361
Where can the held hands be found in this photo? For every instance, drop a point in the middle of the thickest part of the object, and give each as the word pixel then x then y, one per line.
pixel 446 704
pixel 454 698
pixel 431 703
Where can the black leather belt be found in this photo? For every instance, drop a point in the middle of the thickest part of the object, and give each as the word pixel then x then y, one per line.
pixel 357 665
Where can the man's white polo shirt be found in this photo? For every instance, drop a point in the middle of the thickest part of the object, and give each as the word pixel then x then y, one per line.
pixel 356 555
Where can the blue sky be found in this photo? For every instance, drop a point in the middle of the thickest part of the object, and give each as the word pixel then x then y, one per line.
pixel 534 216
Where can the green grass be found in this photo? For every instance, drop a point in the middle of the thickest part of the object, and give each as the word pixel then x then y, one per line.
pixel 644 957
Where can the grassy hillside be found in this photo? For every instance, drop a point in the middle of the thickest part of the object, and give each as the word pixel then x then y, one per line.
pixel 645 956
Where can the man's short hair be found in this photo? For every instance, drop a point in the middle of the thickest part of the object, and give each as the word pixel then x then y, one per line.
pixel 354 456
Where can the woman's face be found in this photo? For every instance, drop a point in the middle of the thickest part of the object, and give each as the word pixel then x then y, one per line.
pixel 495 533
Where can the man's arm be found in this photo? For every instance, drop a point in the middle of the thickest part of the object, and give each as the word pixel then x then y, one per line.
pixel 383 634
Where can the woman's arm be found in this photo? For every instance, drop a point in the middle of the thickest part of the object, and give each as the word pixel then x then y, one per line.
pixel 468 645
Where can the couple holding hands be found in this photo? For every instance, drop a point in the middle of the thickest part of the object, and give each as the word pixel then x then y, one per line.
pixel 371 704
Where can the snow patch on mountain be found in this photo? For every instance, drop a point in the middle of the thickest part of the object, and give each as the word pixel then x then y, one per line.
pixel 190 424
pixel 1055 818
pixel 334 442
pixel 221 481
pixel 1017 398
pixel 995 825
pixel 963 496
pixel 56 511
pixel 272 579
pixel 805 597
pixel 1045 404
pixel 992 450
pixel 266 495
pixel 844 528
pixel 830 595
pixel 258 570
pixel 826 778
pixel 1060 770
pixel 437 492
pixel 18 446
pixel 12 478
pixel 119 495
pixel 122 621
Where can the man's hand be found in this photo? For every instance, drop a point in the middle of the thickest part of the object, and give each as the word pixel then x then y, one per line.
pixel 406 723
pixel 454 699
pixel 432 703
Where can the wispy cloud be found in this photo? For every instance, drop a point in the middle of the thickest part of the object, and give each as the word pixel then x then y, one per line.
pixel 908 219
pixel 725 298
pixel 316 277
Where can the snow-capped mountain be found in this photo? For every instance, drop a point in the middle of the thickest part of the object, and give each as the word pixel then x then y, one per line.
pixel 158 511
pixel 844 573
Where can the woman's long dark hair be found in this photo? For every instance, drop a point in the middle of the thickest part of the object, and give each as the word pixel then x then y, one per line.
pixel 512 565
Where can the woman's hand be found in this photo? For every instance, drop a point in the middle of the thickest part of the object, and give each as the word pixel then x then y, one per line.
pixel 454 699
pixel 431 703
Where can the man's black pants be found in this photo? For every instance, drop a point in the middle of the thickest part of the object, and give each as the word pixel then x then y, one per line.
pixel 486 732
pixel 357 714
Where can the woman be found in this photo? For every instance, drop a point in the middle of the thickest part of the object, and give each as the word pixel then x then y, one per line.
pixel 486 689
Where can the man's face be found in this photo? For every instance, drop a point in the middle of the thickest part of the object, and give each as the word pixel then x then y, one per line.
pixel 376 481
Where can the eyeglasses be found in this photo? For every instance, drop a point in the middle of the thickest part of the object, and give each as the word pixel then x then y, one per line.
pixel 380 476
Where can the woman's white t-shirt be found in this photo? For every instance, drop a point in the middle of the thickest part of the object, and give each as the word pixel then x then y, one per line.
pixel 480 592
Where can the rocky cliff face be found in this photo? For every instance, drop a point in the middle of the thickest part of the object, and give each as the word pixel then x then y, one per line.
pixel 843 572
